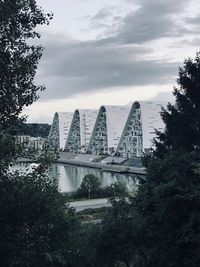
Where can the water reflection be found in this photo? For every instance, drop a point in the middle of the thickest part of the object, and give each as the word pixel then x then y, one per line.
pixel 70 176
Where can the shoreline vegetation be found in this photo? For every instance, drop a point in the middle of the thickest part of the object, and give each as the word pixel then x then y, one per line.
pixel 91 188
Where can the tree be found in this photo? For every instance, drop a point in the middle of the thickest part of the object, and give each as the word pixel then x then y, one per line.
pixel 120 237
pixel 90 186
pixel 87 245
pixel 19 58
pixel 169 199
pixel 116 190
pixel 160 224
pixel 37 227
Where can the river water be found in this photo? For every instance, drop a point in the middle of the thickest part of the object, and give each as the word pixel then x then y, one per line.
pixel 71 176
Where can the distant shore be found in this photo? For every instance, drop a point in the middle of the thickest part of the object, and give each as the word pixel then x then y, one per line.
pixel 104 167
pixel 92 161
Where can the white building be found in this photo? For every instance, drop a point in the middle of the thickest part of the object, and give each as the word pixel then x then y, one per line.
pixel 28 142
pixel 36 143
pixel 108 129
pixel 23 140
pixel 81 130
pixel 60 129
pixel 139 131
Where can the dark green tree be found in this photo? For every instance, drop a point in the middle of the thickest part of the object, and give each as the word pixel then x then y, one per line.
pixel 19 58
pixel 90 186
pixel 116 190
pixel 87 245
pixel 169 199
pixel 37 226
pixel 160 224
pixel 120 237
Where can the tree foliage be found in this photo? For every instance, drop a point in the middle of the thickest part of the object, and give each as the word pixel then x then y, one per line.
pixel 169 200
pixel 90 186
pixel 119 241
pixel 18 57
pixel 115 191
pixel 37 228
pixel 160 224
pixel 32 129
pixel 87 245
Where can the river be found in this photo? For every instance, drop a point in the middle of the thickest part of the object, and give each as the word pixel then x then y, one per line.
pixel 70 176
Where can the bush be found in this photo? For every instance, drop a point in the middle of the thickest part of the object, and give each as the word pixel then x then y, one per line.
pixel 116 189
pixel 90 187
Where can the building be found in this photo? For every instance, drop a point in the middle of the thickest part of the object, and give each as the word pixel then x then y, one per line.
pixel 36 143
pixel 125 131
pixel 139 131
pixel 29 143
pixel 23 140
pixel 60 129
pixel 108 129
pixel 81 130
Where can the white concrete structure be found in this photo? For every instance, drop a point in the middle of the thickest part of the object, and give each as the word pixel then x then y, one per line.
pixel 108 129
pixel 139 131
pixel 81 130
pixel 60 129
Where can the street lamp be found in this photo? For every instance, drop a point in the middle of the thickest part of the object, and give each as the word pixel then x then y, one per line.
pixel 113 187
pixel 89 192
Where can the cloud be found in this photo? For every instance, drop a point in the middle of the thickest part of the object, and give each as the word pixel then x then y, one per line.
pixel 75 67
pixel 194 23
pixel 121 59
pixel 106 22
pixel 164 96
pixel 152 20
pixel 103 13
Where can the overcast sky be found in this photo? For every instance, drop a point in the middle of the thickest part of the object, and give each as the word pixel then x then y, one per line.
pixel 112 52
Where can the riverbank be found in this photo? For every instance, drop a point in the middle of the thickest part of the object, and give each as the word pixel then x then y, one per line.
pixel 89 204
pixel 103 163
pixel 110 164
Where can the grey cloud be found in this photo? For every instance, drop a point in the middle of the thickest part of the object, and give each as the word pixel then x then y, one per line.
pixel 119 60
pixel 106 21
pixel 152 20
pixel 161 6
pixel 102 14
pixel 195 21
pixel 76 67
pixel 194 42
pixel 139 29
pixel 164 96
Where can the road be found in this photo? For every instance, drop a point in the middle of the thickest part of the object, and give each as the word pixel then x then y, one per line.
pixel 90 204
